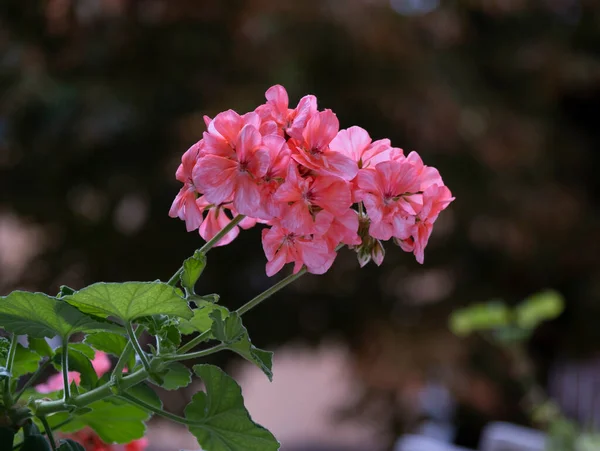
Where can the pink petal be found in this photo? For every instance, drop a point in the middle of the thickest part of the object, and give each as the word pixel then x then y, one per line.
pixel 214 223
pixel 215 177
pixel 246 199
pixel 340 165
pixel 277 95
pixel 228 124
pixel 351 142
pixel 320 130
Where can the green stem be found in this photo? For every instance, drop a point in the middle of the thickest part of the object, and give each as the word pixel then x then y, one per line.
pixel 208 246
pixel 118 370
pixel 124 357
pixel 133 339
pixel 271 291
pixel 55 428
pixel 138 402
pixel 65 369
pixel 193 342
pixel 34 377
pixel 97 394
pixel 195 355
pixel 48 431
pixel 10 359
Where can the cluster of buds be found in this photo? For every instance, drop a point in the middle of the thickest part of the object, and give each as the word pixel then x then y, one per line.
pixel 315 187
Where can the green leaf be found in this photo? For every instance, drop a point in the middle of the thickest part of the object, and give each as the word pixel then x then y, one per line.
pixel 175 376
pixel 106 342
pixel 39 315
pixel 4 346
pixel 539 307
pixel 41 346
pixel 78 362
pixel 228 330
pixel 232 333
pixel 145 393
pixel 201 320
pixel 166 329
pixel 118 423
pixel 192 269
pixel 130 300
pixel 26 361
pixel 111 344
pixel 222 423
pixel 83 348
pixel 64 291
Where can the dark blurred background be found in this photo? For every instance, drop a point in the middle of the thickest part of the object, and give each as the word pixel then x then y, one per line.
pixel 99 99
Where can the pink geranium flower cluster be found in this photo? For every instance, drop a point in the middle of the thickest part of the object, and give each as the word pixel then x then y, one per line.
pixel 314 186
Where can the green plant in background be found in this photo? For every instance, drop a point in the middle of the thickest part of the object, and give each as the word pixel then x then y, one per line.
pixel 509 328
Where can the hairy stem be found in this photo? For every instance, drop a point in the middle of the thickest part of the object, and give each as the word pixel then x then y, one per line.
pixel 48 430
pixel 10 359
pixel 118 370
pixel 138 402
pixel 124 357
pixel 193 342
pixel 196 355
pixel 133 339
pixel 208 246
pixel 65 369
pixel 271 291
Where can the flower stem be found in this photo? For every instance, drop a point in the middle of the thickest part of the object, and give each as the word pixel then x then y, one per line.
pixel 10 358
pixel 195 355
pixel 133 339
pixel 193 342
pixel 34 377
pixel 271 291
pixel 208 246
pixel 122 362
pixel 65 369
pixel 243 309
pixel 138 402
pixel 48 431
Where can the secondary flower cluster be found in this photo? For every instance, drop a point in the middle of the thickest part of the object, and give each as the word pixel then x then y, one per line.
pixel 295 171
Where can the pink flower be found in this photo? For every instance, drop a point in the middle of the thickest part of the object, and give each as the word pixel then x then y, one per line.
pixel 336 229
pixel 390 193
pixel 184 206
pixel 356 143
pixel 312 148
pixel 435 199
pixel 215 221
pixel 55 382
pixel 101 363
pixel 236 176
pixel 279 154
pixel 427 175
pixel 282 246
pixel 305 196
pixel 290 122
pixel 137 445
